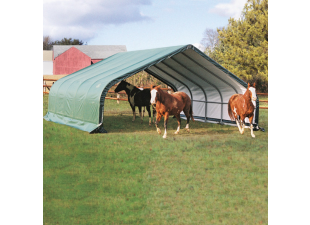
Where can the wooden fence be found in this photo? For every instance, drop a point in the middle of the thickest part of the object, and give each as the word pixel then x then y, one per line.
pixel 47 83
pixel 264 94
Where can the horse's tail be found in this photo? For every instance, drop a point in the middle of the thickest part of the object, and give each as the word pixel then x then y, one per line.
pixel 230 113
pixel 191 113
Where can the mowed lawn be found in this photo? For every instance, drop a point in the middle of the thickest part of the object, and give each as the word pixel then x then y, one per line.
pixel 131 175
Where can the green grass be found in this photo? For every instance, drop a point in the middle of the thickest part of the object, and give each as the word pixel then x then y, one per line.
pixel 131 175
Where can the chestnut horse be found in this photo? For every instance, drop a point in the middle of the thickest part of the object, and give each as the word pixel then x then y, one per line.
pixel 241 106
pixel 171 104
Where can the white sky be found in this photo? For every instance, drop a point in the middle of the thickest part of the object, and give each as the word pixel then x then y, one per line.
pixel 138 24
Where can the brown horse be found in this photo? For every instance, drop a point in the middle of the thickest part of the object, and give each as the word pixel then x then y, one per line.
pixel 241 106
pixel 171 104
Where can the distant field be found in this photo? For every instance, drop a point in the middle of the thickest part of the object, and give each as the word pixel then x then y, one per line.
pixel 131 175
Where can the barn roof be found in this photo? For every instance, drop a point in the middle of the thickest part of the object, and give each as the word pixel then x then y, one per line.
pixel 93 51
pixel 77 100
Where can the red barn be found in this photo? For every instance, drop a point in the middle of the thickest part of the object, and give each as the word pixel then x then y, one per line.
pixel 68 59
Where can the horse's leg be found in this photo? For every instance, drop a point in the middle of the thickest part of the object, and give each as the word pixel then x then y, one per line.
pixel 158 118
pixel 154 113
pixel 140 113
pixel 188 116
pixel 149 111
pixel 242 124
pixel 179 123
pixel 143 111
pixel 251 126
pixel 166 117
pixel 133 113
pixel 239 127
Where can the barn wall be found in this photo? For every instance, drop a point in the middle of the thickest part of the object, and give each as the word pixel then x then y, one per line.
pixel 95 60
pixel 70 61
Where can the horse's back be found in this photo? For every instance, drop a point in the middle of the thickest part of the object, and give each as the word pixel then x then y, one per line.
pixel 181 96
pixel 143 97
pixel 234 97
pixel 184 99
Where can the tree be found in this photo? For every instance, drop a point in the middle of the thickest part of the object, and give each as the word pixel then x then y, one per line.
pixel 243 44
pixel 48 44
pixel 69 41
pixel 210 39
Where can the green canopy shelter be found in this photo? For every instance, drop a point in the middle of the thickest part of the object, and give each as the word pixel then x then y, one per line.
pixel 77 100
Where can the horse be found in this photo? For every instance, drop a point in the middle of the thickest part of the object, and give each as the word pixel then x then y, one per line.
pixel 137 97
pixel 241 106
pixel 171 104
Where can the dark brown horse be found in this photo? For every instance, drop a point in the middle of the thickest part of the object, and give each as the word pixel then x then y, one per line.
pixel 241 106
pixel 171 104
pixel 137 97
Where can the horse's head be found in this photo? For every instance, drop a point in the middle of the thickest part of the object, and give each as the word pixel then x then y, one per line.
pixel 122 86
pixel 155 93
pixel 252 91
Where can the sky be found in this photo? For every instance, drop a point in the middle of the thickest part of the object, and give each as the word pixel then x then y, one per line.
pixel 138 24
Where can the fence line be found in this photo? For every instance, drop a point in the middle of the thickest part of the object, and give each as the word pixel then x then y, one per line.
pixel 265 94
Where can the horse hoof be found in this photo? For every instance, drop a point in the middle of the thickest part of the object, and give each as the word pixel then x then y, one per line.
pixel 253 136
pixel 158 131
pixel 177 132
pixel 165 136
pixel 187 130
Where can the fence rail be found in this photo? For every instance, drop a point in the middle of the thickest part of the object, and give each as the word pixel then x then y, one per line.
pixel 264 94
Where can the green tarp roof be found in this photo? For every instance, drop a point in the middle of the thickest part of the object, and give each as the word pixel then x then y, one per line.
pixel 77 100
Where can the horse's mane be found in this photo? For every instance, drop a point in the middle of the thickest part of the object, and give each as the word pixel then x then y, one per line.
pixel 134 87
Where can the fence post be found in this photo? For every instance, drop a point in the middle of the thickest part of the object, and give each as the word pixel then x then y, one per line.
pixel 118 96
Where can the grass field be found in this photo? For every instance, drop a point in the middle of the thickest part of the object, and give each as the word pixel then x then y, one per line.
pixel 131 175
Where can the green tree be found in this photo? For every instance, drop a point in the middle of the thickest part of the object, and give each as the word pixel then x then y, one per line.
pixel 243 44
pixel 69 41
pixel 48 44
